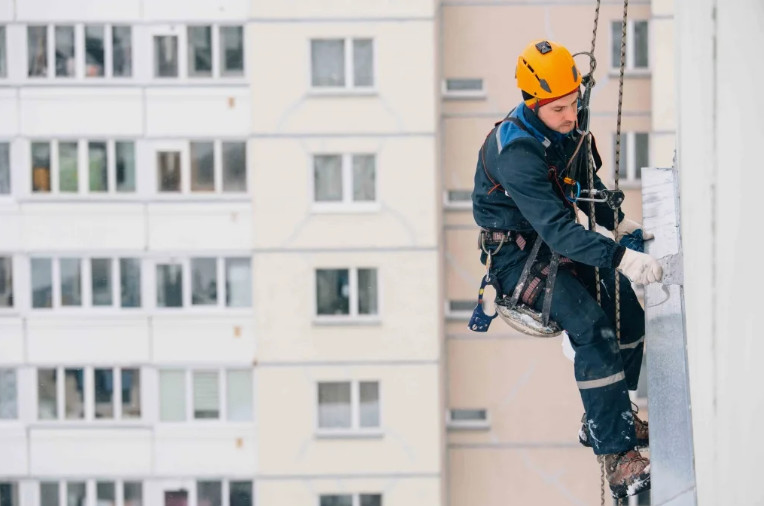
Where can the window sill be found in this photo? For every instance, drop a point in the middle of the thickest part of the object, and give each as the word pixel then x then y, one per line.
pixel 342 92
pixel 114 198
pixel 461 316
pixel 347 321
pixel 465 95
pixel 89 424
pixel 630 73
pixel 346 208
pixel 457 206
pixel 350 434
pixel 471 426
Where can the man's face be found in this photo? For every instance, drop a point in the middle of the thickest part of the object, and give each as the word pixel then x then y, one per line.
pixel 561 114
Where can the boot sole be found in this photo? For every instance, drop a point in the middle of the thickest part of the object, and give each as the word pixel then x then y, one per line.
pixel 639 485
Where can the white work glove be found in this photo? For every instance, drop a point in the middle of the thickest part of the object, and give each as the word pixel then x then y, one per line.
pixel 640 268
pixel 628 226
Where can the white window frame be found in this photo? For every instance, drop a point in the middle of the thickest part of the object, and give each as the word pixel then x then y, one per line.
pixel 353 317
pixel 451 423
pixel 91 491
pixel 347 204
pixel 223 394
pixel 181 32
pixel 187 285
pixel 355 430
pixel 629 68
pixel 89 396
pixel 476 94
pixel 349 87
pixel 455 205
pixel 185 193
pixel 628 170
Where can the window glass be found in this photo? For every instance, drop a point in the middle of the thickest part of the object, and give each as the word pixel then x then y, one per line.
pixel 615 44
pixel 240 493
pixel 332 291
pixel 67 167
pixel 133 491
pixel 125 166
pixel 48 493
pixel 6 282
pixel 9 493
pixel 47 402
pixel 106 493
pixel 334 405
pixel 204 281
pixel 8 395
pixel 367 291
pixel 42 282
pixel 98 169
pixel 234 166
pixel 5 168
pixel 369 395
pixel 74 393
pixel 363 62
pixel 327 173
pixel 371 499
pixel 165 56
pixel 100 274
pixel 65 61
pixel 40 166
pixel 169 285
pixel 642 153
pixel 464 85
pixel 336 500
pixel 202 166
pixel 199 51
pixel 172 396
pixel 3 56
pixel 239 400
pixel 364 184
pixel 130 282
pixel 75 493
pixel 176 497
pixel 104 393
pixel 71 281
pixel 37 51
pixel 206 395
pixel 640 44
pixel 131 393
pixel 231 50
pixel 459 195
pixel 94 51
pixel 209 493
pixel 327 63
pixel 238 279
pixel 469 415
pixel 122 51
pixel 168 164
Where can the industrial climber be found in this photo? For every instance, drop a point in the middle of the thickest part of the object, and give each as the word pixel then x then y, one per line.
pixel 525 195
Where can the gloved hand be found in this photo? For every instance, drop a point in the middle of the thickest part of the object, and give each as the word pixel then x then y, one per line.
pixel 640 268
pixel 627 227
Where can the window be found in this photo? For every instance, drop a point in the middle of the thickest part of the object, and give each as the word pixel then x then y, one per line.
pixel 209 493
pixel 215 282
pixel 89 393
pixel 350 500
pixel 204 281
pixel 176 497
pixel 240 493
pixel 463 88
pixel 635 154
pixel 205 387
pixel 346 292
pixel 344 179
pixel 95 58
pixel 68 177
pixel 168 171
pixel 238 282
pixel 66 65
pixel 467 419
pixel 133 493
pixel 106 494
pixel 5 166
pixel 8 394
pixel 460 309
pixel 342 63
pixel 214 167
pixel 458 199
pixel 49 491
pixel 6 282
pixel 37 51
pixel 78 493
pixel 130 282
pixel 42 282
pixel 71 281
pixel 636 45
pixel 122 51
pixel 9 493
pixel 348 406
pixel 165 56
pixel 202 166
pixel 234 167
pixel 97 167
pixel 231 50
pixel 40 167
pixel 3 56
pixel 199 51
pixel 75 493
pixel 169 285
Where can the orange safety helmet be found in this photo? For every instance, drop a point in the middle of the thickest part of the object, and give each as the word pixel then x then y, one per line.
pixel 545 72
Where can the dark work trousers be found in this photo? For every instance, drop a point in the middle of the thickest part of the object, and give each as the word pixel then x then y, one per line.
pixel 604 369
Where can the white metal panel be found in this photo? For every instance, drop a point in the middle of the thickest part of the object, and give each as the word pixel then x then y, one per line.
pixel 9 112
pixel 198 227
pixel 321 9
pixel 77 10
pixel 11 339
pixel 192 338
pixel 203 10
pixel 13 448
pixel 226 451
pixel 198 112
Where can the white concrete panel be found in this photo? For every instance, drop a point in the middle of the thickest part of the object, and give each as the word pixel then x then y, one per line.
pixel 398 490
pixel 53 339
pixel 6 10
pixel 198 112
pixel 81 112
pixel 84 227
pixel 198 450
pixel 202 10
pixel 663 68
pixel 90 452
pixel 13 448
pixel 283 101
pixel 199 339
pixel 198 227
pixel 12 225
pixel 318 9
pixel 11 340
pixel 9 111
pixel 407 195
pixel 408 323
pixel 79 10
pixel 409 440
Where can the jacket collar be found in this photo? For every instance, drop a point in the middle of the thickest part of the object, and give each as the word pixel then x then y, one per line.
pixel 537 127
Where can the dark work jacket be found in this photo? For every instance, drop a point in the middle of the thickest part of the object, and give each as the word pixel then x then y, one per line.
pixel 530 200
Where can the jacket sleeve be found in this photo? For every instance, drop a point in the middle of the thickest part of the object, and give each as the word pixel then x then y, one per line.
pixel 522 171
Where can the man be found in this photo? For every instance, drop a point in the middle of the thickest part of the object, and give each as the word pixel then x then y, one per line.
pixel 521 194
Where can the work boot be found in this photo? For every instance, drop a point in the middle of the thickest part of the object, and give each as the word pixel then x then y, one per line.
pixel 627 473
pixel 640 427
